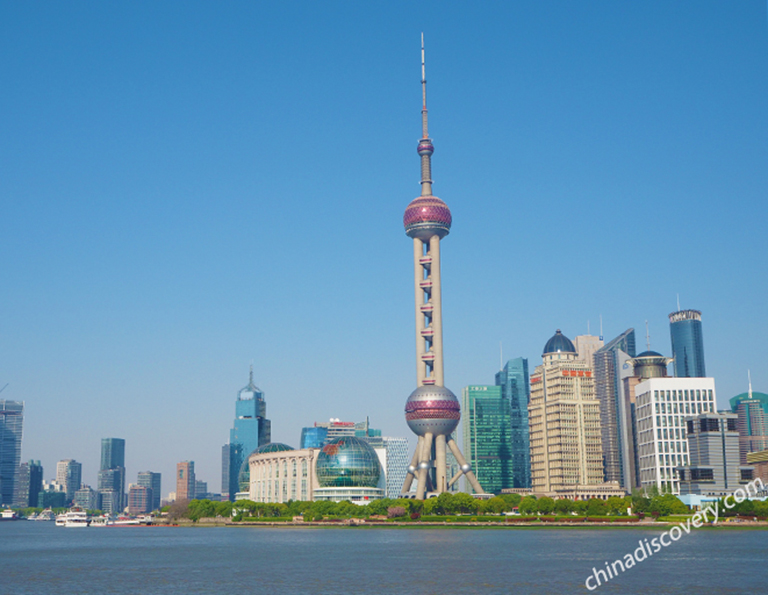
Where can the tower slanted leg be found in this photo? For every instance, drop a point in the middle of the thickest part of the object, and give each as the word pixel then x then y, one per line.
pixel 415 464
pixel 465 467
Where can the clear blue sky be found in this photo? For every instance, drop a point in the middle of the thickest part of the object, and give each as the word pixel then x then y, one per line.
pixel 189 187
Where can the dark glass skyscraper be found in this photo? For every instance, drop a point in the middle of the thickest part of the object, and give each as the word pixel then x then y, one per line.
pixel 515 388
pixel 29 484
pixel 111 476
pixel 112 453
pixel 11 424
pixel 687 344
pixel 148 479
pixel 487 436
pixel 251 430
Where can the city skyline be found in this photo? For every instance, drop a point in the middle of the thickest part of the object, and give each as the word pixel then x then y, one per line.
pixel 148 261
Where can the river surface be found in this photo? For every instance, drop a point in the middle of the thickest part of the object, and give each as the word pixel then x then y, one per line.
pixel 37 557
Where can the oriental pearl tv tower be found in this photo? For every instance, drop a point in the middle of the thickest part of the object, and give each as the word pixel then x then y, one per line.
pixel 432 411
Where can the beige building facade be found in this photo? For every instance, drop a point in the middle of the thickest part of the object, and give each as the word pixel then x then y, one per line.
pixel 564 421
pixel 284 475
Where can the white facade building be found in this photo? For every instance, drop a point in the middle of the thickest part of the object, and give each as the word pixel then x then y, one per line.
pixel 661 406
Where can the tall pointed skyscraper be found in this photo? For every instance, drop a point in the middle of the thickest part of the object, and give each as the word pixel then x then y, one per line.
pixel 432 411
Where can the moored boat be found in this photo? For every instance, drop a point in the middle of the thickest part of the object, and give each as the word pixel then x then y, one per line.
pixel 75 517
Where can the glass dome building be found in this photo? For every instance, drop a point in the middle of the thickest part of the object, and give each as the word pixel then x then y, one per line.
pixel 348 468
pixel 244 477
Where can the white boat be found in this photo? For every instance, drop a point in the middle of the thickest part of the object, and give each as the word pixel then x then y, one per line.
pixel 76 517
pixel 45 515
pixel 8 515
pixel 124 521
pixel 103 520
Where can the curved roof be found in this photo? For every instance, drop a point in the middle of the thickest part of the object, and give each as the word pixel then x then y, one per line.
pixel 649 354
pixel 272 447
pixel 559 343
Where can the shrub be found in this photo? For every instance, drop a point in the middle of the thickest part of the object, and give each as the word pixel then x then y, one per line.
pixel 394 512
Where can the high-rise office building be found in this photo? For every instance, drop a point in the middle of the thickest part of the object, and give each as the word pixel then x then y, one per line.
pixel 201 489
pixel 11 426
pixel 615 420
pixel 251 429
pixel 432 411
pixel 713 453
pixel 139 499
pixel 752 410
pixel 586 347
pixel 313 437
pixel 487 440
pixel 662 406
pixel 515 388
pixel 564 418
pixel 69 474
pixel 29 484
pixel 687 344
pixel 185 480
pixel 151 480
pixel 112 453
pixel 86 498
pixel 111 476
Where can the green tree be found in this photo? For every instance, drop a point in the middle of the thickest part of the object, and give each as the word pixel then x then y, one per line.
pixel 512 500
pixel 463 503
pixel 596 507
pixel 563 506
pixel 495 505
pixel 616 505
pixel 528 505
pixel 545 505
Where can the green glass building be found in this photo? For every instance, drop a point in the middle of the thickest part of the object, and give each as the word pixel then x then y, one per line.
pixel 487 438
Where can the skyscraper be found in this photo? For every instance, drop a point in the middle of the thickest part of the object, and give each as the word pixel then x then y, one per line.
pixel 687 343
pixel 586 347
pixel 614 418
pixel 251 429
pixel 752 410
pixel 151 480
pixel 564 418
pixel 487 439
pixel 713 449
pixel 29 484
pixel 513 380
pixel 69 474
pixel 111 476
pixel 662 406
pixel 112 453
pixel 432 411
pixel 185 480
pixel 11 425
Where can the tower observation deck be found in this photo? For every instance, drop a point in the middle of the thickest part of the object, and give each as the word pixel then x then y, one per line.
pixel 432 411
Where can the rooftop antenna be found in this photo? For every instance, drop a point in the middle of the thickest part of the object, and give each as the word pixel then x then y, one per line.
pixel 647 337
pixel 749 376
pixel 425 144
pixel 678 302
pixel 601 327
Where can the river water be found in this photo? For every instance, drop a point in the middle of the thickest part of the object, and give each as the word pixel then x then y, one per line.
pixel 37 557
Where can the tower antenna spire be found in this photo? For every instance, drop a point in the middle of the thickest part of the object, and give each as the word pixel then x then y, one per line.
pixel 749 376
pixel 425 144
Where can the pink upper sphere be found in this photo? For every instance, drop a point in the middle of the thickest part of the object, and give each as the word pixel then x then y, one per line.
pixel 427 216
